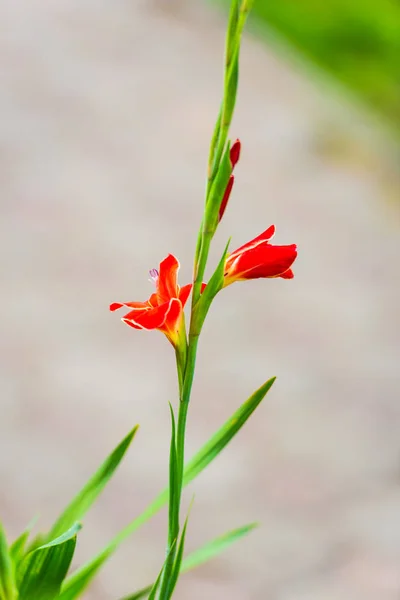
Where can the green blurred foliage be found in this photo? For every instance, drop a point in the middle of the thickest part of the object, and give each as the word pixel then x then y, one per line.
pixel 356 41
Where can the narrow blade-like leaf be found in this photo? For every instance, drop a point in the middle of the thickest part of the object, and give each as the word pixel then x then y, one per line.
pixel 198 463
pixel 7 582
pixel 89 493
pixel 74 586
pixel 18 547
pixel 178 561
pixel 42 571
pixel 219 440
pixel 173 484
pixel 202 555
pixel 173 511
pixel 153 589
pixel 215 547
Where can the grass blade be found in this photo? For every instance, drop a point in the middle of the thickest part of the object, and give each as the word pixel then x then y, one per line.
pixel 75 584
pixel 8 589
pixel 219 440
pixel 89 493
pixel 153 589
pixel 202 555
pixel 215 547
pixel 178 561
pixel 173 511
pixel 42 571
pixel 83 576
pixel 18 547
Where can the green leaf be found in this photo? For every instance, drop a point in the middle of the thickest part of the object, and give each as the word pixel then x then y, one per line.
pixel 74 586
pixel 219 440
pixel 202 555
pixel 178 561
pixel 153 590
pixel 173 484
pixel 18 547
pixel 83 576
pixel 173 511
pixel 89 493
pixel 42 571
pixel 8 589
pixel 215 547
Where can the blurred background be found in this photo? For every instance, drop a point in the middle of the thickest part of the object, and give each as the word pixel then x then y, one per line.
pixel 106 114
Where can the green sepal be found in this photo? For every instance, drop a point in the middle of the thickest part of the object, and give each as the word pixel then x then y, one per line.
pixel 212 288
pixel 214 142
pixel 233 20
pixel 217 191
pixel 232 43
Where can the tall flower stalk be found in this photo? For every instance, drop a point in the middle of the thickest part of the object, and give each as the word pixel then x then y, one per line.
pixel 39 568
pixel 164 309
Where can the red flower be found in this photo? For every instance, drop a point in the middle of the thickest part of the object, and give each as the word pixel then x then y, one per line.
pixel 259 258
pixel 234 156
pixel 164 309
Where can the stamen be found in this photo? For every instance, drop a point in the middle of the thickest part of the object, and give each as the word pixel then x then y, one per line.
pixel 153 276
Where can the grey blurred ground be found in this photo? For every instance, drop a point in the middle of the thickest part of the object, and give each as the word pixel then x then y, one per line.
pixel 106 112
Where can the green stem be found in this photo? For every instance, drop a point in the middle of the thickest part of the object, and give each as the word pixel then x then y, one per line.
pixel 183 408
pixel 185 378
pixel 186 359
pixel 201 267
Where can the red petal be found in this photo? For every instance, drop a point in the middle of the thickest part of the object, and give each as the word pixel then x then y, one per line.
pixel 135 305
pixel 287 274
pixel 262 261
pixel 131 324
pixel 153 300
pixel 226 197
pixel 166 318
pixel 135 314
pixel 184 293
pixel 167 285
pixel 235 153
pixel 172 322
pixel 263 238
pixel 115 306
pixel 266 261
pixel 153 318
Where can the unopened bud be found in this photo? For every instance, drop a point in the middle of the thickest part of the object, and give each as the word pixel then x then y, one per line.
pixel 226 197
